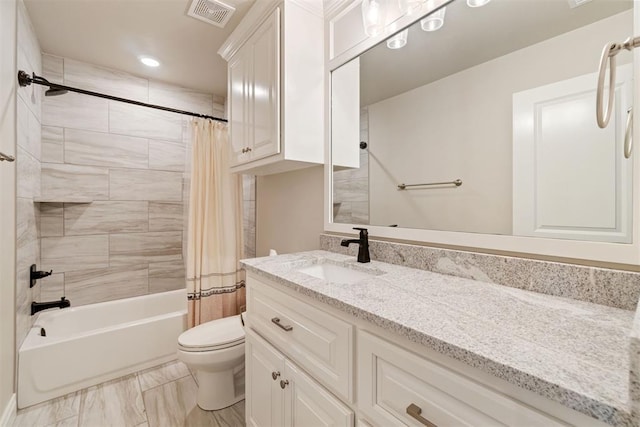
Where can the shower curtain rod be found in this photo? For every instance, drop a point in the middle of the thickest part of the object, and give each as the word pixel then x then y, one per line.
pixel 56 89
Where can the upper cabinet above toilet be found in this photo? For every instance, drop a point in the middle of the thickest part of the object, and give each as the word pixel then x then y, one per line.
pixel 276 87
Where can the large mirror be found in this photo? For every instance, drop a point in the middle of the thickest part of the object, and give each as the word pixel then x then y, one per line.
pixel 482 120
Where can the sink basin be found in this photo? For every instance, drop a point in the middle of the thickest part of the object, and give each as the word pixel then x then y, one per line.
pixel 336 273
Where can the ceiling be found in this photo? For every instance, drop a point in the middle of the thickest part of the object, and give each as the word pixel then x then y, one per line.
pixel 114 33
pixel 471 36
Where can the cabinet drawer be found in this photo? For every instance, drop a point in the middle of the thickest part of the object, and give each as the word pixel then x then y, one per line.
pixel 319 342
pixel 392 381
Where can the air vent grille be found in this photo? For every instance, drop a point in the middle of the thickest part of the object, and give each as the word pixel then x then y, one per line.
pixel 213 12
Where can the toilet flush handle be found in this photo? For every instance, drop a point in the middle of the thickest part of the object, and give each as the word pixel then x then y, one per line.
pixel 275 375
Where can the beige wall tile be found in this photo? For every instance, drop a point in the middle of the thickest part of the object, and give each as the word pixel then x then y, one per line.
pixel 103 149
pixel 52 144
pixel 166 216
pixel 74 181
pixel 166 156
pixel 129 184
pixel 29 130
pixel 51 220
pixel 106 284
pixel 105 217
pixel 145 247
pixel 166 276
pixel 28 175
pixel 52 287
pixel 62 254
pixel 76 111
pixel 180 98
pixel 53 68
pixel 144 122
pixel 105 80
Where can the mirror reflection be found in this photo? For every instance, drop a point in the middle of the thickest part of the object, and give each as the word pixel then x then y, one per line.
pixel 482 120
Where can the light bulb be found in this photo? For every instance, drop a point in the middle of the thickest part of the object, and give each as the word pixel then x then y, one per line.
pixel 477 3
pixel 374 16
pixel 399 40
pixel 433 22
pixel 149 62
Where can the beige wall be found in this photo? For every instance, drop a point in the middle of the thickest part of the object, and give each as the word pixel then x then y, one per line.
pixel 290 211
pixel 461 127
pixel 7 199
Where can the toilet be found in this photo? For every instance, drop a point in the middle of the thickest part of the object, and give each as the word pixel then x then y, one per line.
pixel 214 351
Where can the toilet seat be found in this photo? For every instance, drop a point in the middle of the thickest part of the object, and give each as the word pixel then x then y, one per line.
pixel 214 335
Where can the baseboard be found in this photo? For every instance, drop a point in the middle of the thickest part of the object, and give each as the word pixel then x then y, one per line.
pixel 9 411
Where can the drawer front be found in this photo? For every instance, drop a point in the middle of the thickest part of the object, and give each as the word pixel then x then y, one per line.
pixel 393 382
pixel 319 342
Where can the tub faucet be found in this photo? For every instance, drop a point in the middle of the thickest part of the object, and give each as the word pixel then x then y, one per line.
pixel 39 306
pixel 363 242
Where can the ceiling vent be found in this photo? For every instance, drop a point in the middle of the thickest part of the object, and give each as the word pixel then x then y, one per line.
pixel 576 3
pixel 212 12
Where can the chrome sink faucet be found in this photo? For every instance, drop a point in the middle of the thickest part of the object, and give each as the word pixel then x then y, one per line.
pixel 363 242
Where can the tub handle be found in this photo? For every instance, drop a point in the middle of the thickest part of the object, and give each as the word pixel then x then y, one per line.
pixel 276 320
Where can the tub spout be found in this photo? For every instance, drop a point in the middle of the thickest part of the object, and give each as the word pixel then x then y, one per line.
pixel 39 306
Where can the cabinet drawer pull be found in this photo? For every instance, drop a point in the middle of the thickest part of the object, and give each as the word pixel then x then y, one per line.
pixel 415 412
pixel 284 383
pixel 275 375
pixel 276 320
pixel 6 157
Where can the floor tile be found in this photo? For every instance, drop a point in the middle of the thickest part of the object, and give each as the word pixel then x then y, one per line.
pixel 162 374
pixel 67 422
pixel 232 416
pixel 174 404
pixel 50 412
pixel 114 403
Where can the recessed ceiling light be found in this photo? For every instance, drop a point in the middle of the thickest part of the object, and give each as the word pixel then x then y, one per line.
pixel 149 62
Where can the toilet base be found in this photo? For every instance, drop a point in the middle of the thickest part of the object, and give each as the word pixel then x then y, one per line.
pixel 218 390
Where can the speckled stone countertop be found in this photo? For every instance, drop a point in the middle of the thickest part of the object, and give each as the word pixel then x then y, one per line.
pixel 573 352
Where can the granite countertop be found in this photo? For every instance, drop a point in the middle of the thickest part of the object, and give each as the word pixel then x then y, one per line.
pixel 573 352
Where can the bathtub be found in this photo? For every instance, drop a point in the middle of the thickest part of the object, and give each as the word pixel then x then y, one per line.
pixel 90 344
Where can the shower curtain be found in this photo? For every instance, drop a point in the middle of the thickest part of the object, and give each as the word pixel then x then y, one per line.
pixel 215 281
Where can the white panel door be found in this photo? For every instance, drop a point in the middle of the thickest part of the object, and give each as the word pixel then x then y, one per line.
pixel 570 178
pixel 265 45
pixel 264 370
pixel 239 105
pixel 308 404
pixel 345 115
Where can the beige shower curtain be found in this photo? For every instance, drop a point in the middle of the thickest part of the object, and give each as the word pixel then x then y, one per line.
pixel 215 282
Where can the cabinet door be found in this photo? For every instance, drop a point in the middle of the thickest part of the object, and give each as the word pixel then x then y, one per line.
pixel 239 105
pixel 265 121
pixel 309 404
pixel 264 396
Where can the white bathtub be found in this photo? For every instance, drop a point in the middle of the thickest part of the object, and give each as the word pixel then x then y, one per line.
pixel 94 343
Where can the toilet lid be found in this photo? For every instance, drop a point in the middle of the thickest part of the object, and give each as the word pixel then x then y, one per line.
pixel 216 333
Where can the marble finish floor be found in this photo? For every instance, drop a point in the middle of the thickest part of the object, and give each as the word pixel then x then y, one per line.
pixel 164 396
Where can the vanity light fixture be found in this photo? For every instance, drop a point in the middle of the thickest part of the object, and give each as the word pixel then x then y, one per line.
pixel 399 40
pixel 408 7
pixel 149 62
pixel 433 22
pixel 477 3
pixel 374 16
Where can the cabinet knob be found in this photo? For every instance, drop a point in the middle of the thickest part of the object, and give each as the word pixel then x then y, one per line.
pixel 275 375
pixel 284 383
pixel 244 150
pixel 248 149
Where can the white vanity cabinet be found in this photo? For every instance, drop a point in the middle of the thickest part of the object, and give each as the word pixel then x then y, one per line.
pixel 279 393
pixel 309 364
pixel 276 87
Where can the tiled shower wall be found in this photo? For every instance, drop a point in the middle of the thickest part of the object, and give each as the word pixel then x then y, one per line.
pixel 28 174
pixel 351 186
pixel 133 164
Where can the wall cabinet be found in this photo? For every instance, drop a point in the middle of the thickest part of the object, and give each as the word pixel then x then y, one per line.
pixel 301 371
pixel 276 87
